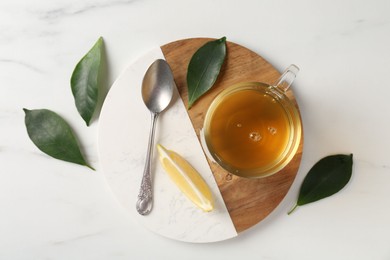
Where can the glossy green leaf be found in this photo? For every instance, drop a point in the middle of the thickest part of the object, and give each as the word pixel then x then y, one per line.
pixel 204 68
pixel 325 178
pixel 84 81
pixel 53 136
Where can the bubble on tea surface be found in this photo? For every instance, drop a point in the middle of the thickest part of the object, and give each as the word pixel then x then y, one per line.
pixel 239 125
pixel 255 136
pixel 272 130
pixel 229 177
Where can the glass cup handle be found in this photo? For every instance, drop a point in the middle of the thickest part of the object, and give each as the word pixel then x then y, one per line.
pixel 287 78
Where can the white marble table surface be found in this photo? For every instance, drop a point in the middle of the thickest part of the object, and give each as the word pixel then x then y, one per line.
pixel 56 210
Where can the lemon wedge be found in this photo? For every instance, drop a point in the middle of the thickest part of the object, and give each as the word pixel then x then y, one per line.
pixel 189 181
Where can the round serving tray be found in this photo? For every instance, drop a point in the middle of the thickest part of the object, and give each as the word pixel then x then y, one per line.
pixel 123 131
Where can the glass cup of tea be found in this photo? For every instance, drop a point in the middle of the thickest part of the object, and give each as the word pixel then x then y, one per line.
pixel 253 129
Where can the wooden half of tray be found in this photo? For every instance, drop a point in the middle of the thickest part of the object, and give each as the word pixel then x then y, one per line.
pixel 248 200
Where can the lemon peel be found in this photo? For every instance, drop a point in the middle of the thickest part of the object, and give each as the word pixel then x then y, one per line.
pixel 189 181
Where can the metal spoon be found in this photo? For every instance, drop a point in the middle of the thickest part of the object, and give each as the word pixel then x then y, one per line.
pixel 157 92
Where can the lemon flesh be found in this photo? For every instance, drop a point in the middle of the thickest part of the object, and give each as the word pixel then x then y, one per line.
pixel 189 181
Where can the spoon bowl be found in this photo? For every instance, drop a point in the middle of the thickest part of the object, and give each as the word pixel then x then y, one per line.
pixel 157 86
pixel 157 92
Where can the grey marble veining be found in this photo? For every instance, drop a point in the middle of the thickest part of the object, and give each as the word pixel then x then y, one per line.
pixel 56 13
pixel 21 64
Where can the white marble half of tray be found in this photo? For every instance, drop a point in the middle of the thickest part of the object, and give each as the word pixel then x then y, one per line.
pixel 123 135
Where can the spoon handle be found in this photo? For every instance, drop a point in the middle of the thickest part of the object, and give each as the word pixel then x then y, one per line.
pixel 145 196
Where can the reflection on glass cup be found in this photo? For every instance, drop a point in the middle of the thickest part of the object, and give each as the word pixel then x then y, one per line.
pixel 253 129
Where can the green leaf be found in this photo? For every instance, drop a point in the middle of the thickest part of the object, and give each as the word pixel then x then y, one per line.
pixel 325 178
pixel 53 136
pixel 204 68
pixel 84 81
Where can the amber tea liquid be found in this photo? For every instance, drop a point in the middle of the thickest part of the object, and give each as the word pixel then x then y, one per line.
pixel 248 130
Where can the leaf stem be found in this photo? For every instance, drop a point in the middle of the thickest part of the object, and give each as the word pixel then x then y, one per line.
pixel 90 167
pixel 292 210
